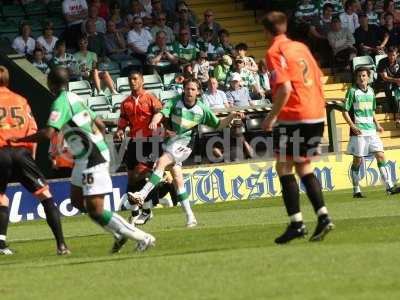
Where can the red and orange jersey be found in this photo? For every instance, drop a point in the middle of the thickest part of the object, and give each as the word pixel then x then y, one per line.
pixel 16 119
pixel 290 61
pixel 137 113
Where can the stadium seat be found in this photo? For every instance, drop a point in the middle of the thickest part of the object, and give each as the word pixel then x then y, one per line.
pixel 116 101
pixel 123 84
pixel 131 62
pixel 169 79
pixel 254 124
pixel 153 82
pixel 100 105
pixel 81 87
pixel 206 131
pixel 35 8
pixel 14 12
pixel 165 95
pixel 378 58
pixel 260 102
pixel 363 61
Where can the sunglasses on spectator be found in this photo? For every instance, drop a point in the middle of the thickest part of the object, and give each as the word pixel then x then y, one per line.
pixel 138 23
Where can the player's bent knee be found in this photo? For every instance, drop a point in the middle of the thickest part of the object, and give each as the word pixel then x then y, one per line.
pixel 4 200
pixel 380 156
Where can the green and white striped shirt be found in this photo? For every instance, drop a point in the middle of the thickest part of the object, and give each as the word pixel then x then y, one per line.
pixel 185 120
pixel 189 52
pixel 306 12
pixel 361 107
pixel 337 4
pixel 70 114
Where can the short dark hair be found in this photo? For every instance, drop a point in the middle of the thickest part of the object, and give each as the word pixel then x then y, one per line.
pixel 59 43
pixel 326 6
pixel 4 76
pixel 59 77
pixel 135 72
pixel 223 31
pixel 37 50
pixel 362 69
pixel 241 46
pixel 392 49
pixel 275 22
pixel 348 4
pixel 388 14
pixel 194 80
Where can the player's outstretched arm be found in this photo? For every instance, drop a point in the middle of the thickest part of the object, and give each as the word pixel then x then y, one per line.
pixel 42 134
pixel 155 121
pixel 227 120
pixel 379 128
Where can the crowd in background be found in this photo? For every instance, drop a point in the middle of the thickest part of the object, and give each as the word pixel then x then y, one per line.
pixel 162 36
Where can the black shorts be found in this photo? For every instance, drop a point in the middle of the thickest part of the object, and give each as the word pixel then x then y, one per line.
pixel 142 152
pixel 298 142
pixel 17 165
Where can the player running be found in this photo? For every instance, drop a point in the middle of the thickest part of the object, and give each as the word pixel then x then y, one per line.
pixel 90 180
pixel 359 113
pixel 298 112
pixel 182 115
pixel 137 110
pixel 17 163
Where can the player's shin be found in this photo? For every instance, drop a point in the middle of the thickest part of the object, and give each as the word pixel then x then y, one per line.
pixel 355 178
pixel 4 216
pixel 115 224
pixel 154 180
pixel 385 174
pixel 53 220
pixel 314 193
pixel 291 198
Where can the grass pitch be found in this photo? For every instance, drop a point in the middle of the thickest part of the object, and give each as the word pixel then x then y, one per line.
pixel 231 255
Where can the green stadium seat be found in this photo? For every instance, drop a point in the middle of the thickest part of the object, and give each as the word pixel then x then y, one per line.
pixel 13 10
pixel 365 61
pixel 54 8
pixel 123 84
pixel 152 81
pixel 35 8
pixel 81 87
pixel 111 67
pixel 378 58
pixel 165 95
pixel 116 101
pixel 131 62
pixel 169 79
pixel 99 105
pixel 260 102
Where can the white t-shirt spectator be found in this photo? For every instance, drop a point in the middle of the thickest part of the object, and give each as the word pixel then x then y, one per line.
pixel 48 47
pixel 72 8
pixel 140 40
pixel 23 47
pixel 217 100
pixel 349 21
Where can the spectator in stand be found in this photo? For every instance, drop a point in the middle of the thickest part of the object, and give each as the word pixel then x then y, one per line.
pixel 74 12
pixel 389 7
pixel 306 12
pixel 247 78
pixel 146 4
pixel 337 4
pixel 321 26
pixel 63 59
pixel 367 38
pixel 181 5
pixel 136 10
pixel 342 43
pixel 102 8
pixel 238 95
pixel 185 22
pixel 24 43
pixel 206 44
pixel 389 71
pixel 169 6
pixel 38 61
pixel 160 22
pixel 263 78
pixel 222 70
pixel 184 49
pixel 94 16
pixel 201 69
pixel 349 18
pixel 161 56
pixel 249 63
pixel 47 41
pixel 210 23
pixel 369 9
pixel 115 43
pixel 87 65
pixel 214 97
pixel 96 41
pixel 157 9
pixel 115 16
pixel 147 23
pixel 139 40
pixel 224 45
pixel 389 34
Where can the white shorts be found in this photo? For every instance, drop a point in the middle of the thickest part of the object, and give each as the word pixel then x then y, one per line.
pixel 361 146
pixel 93 181
pixel 178 152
